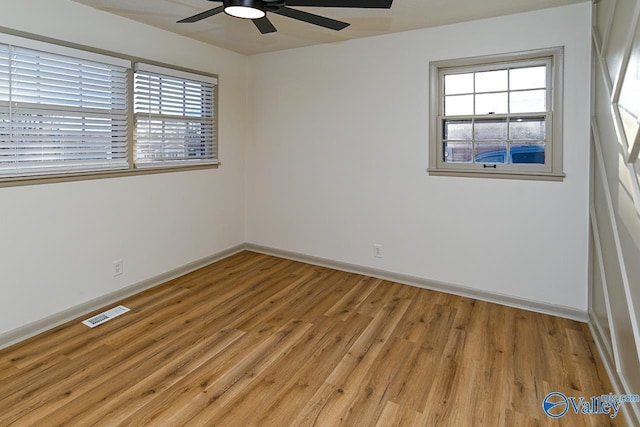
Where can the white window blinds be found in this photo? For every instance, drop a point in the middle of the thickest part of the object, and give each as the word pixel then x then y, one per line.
pixel 61 114
pixel 175 117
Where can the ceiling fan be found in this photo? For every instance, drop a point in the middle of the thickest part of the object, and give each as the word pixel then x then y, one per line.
pixel 256 10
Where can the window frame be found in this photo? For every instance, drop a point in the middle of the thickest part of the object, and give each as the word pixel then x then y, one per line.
pixel 47 44
pixel 552 169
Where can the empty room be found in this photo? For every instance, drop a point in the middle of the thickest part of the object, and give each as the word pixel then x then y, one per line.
pixel 320 213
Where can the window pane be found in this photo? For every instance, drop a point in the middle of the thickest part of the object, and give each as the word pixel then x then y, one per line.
pixel 458 83
pixel 529 101
pixel 527 128
pixel 491 152
pixel 491 103
pixel 491 129
pixel 458 152
pixel 458 105
pixel 528 78
pixel 457 129
pixel 528 153
pixel 491 81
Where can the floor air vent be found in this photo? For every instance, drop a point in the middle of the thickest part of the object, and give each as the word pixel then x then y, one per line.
pixel 99 319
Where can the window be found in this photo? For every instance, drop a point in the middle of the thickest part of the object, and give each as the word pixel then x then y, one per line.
pixel 61 113
pixel 70 112
pixel 499 116
pixel 174 115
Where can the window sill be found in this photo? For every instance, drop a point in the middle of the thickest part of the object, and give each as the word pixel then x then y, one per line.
pixel 69 177
pixel 536 176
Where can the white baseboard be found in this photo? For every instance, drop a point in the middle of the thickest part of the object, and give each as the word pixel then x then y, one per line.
pixel 511 301
pixel 39 326
pixel 631 411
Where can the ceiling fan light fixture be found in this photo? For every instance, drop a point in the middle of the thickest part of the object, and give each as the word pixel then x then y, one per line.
pixel 245 9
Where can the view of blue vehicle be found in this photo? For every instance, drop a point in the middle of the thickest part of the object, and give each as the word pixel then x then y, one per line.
pixel 530 154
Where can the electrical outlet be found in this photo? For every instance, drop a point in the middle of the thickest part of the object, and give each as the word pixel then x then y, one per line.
pixel 117 267
pixel 377 251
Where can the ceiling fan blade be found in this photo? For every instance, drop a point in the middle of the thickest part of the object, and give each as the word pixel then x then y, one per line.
pixel 370 4
pixel 311 18
pixel 202 15
pixel 264 25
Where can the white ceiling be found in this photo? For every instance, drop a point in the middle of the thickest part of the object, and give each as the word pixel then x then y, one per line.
pixel 242 36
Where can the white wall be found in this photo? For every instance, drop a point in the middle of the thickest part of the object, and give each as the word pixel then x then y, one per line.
pixel 338 156
pixel 58 240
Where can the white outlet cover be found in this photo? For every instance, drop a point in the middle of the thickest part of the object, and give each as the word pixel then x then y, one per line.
pixel 117 268
pixel 377 251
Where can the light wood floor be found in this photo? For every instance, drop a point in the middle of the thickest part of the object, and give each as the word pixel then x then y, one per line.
pixel 258 340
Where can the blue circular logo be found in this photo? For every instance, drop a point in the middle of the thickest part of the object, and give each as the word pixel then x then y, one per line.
pixel 555 404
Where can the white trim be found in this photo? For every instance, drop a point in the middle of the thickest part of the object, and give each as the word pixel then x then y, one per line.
pixel 616 118
pixel 631 412
pixel 614 88
pixel 595 38
pixel 616 237
pixel 497 298
pixel 173 163
pixel 81 310
pixel 63 50
pixel 633 143
pixel 617 86
pixel 61 168
pixel 142 66
pixel 632 147
pixel 605 71
pixel 607 28
pixel 605 288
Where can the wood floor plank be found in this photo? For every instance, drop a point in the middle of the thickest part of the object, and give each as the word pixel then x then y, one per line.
pixel 239 374
pixel 179 365
pixel 98 393
pixel 47 387
pixel 354 297
pixel 353 368
pixel 254 340
pixel 311 376
pixel 389 416
pixel 413 382
pixel 7 370
pixel 447 382
pixel 181 393
pixel 262 393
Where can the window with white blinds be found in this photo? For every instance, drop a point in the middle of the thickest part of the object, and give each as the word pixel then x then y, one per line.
pixel 174 117
pixel 61 114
